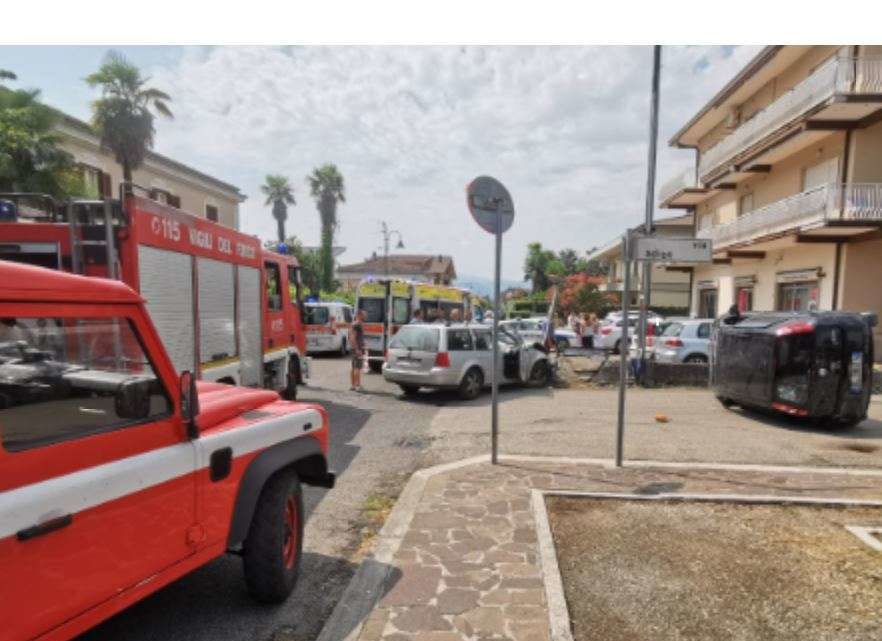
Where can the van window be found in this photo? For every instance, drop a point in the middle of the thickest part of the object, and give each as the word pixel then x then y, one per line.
pixel 347 314
pixel 70 378
pixel 316 315
pixel 374 309
pixel 459 340
pixel 418 337
pixel 294 284
pixel 400 310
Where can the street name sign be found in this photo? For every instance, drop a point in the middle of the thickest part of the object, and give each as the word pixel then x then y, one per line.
pixel 672 250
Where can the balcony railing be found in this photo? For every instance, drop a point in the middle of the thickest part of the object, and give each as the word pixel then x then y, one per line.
pixel 834 202
pixel 839 75
pixel 677 183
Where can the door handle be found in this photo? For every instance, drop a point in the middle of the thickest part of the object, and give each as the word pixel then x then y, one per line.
pixel 44 528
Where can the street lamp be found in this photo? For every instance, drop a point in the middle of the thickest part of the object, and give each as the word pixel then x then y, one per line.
pixel 387 236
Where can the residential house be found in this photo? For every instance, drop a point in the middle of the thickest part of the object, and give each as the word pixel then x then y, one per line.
pixel 787 183
pixel 428 268
pixel 669 284
pixel 165 180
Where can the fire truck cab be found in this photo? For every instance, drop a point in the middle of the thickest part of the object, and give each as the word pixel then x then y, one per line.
pixel 225 308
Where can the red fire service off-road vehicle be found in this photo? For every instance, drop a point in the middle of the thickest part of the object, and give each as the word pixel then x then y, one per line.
pixel 117 474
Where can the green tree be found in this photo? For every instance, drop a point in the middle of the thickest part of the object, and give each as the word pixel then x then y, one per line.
pixel 326 187
pixel 536 266
pixel 310 268
pixel 279 193
pixel 123 117
pixel 30 159
pixel 569 258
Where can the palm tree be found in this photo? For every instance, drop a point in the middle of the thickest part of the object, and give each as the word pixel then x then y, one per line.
pixel 326 186
pixel 280 194
pixel 123 116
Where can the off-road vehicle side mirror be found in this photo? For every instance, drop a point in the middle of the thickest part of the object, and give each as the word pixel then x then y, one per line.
pixel 189 403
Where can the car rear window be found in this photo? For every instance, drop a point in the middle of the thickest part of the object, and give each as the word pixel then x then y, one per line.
pixel 673 329
pixel 459 340
pixel 316 315
pixel 418 337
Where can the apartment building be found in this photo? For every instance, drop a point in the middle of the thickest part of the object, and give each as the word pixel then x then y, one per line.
pixel 670 284
pixel 166 180
pixel 787 183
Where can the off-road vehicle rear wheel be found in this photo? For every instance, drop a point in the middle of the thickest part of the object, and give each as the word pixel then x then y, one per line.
pixel 271 552
pixel 539 375
pixel 375 366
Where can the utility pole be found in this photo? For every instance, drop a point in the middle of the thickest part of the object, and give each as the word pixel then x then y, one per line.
pixel 387 236
pixel 646 285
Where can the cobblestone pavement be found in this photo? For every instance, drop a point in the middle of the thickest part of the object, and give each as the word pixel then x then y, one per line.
pixel 468 566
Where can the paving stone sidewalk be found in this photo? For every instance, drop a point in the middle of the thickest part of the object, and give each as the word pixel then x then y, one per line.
pixel 468 566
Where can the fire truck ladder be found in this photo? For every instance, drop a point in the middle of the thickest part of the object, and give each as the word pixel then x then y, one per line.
pixel 90 233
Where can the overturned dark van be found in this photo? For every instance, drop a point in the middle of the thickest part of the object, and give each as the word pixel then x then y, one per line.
pixel 808 364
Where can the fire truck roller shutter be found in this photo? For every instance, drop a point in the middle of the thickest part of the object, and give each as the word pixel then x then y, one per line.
pixel 217 310
pixel 250 350
pixel 167 286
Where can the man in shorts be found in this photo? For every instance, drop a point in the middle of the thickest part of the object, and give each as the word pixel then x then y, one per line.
pixel 356 340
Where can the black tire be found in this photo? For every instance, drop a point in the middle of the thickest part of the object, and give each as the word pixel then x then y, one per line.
pixel 725 402
pixel 471 384
pixel 290 391
pixel 343 349
pixel 539 375
pixel 375 366
pixel 409 390
pixel 617 348
pixel 695 358
pixel 270 557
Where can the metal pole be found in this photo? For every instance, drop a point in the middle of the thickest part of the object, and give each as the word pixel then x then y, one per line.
pixel 650 200
pixel 494 376
pixel 623 349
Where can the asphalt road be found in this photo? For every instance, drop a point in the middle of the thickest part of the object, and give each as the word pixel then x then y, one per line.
pixel 377 440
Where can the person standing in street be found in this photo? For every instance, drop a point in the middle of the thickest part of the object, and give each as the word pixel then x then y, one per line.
pixel 356 340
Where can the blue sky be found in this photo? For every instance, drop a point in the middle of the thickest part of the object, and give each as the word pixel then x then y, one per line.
pixel 564 127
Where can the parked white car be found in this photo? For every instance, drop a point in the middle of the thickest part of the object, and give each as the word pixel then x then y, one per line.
pixel 327 327
pixel 609 334
pixel 459 357
pixel 685 341
pixel 531 330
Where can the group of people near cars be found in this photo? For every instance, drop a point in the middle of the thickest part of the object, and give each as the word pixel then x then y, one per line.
pixel 584 326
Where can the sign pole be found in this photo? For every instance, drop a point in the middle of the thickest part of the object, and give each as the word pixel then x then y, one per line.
pixel 491 206
pixel 494 378
pixel 624 348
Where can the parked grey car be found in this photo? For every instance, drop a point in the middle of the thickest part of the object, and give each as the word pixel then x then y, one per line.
pixel 459 357
pixel 685 341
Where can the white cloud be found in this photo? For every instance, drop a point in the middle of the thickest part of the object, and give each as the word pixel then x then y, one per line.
pixel 564 127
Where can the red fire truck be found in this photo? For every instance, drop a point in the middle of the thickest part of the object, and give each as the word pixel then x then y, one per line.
pixel 225 308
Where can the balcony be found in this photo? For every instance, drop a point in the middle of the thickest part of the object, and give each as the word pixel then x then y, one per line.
pixel 832 209
pixel 681 192
pixel 840 90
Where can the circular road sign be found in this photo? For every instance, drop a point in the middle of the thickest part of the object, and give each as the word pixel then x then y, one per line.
pixel 490 204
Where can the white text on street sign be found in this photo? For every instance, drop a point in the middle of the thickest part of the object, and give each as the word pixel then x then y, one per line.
pixel 672 250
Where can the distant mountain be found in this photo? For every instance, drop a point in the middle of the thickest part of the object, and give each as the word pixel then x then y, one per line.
pixel 484 286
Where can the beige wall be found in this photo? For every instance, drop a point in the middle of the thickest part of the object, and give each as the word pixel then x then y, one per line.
pixel 797 256
pixel 194 192
pixel 862 281
pixel 866 154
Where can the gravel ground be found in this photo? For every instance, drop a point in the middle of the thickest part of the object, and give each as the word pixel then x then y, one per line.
pixel 642 572
pixel 377 440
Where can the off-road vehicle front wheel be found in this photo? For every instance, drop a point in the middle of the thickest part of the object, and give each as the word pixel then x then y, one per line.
pixel 271 552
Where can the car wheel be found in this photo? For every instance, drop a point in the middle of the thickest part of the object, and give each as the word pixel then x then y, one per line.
pixel 725 402
pixel 696 358
pixel 375 366
pixel 539 375
pixel 271 552
pixel 409 390
pixel 471 385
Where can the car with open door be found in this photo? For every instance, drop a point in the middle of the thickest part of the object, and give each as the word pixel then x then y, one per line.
pixel 460 357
